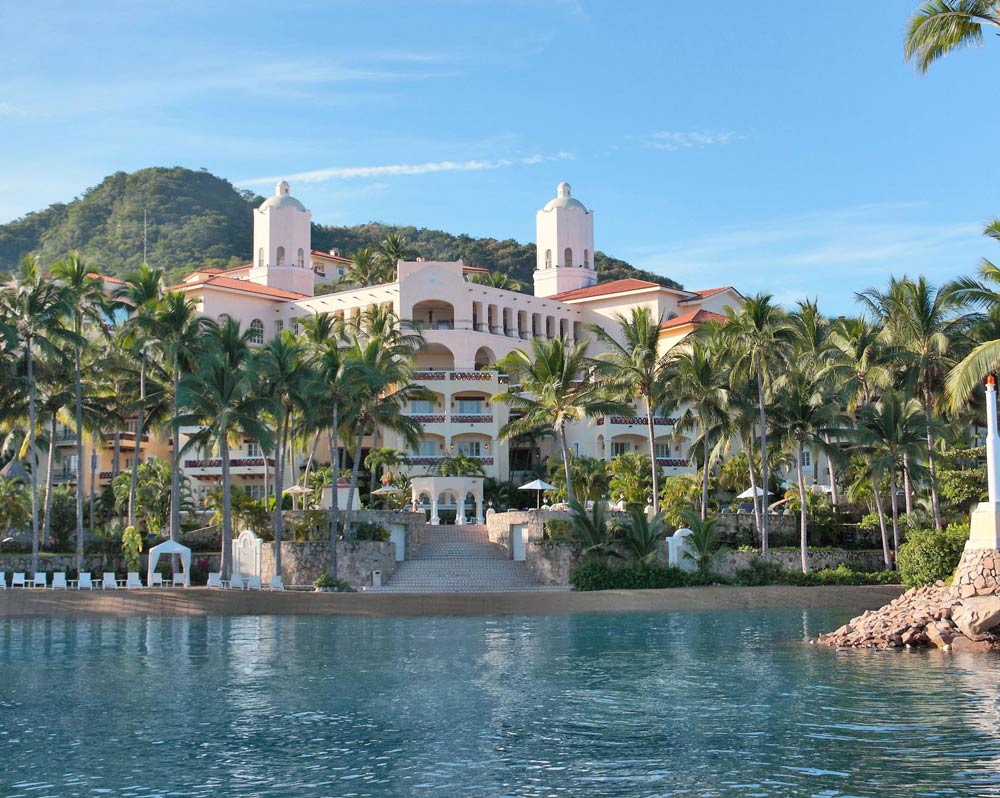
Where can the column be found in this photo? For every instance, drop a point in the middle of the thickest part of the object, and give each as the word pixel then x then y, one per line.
pixel 434 509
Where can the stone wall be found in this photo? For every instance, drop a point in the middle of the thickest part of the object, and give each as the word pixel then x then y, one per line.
pixel 301 563
pixel 977 572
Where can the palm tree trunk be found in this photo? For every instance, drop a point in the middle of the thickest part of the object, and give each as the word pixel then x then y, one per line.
pixel 764 547
pixel 834 492
pixel 803 514
pixel 355 467
pixel 651 429
pixel 704 476
pixel 932 469
pixel 116 454
pixel 140 419
pixel 907 488
pixel 227 509
pixel 334 498
pixel 895 514
pixel 175 474
pixel 312 456
pixel 279 480
pixel 47 509
pixel 93 491
pixel 32 453
pixel 78 410
pixel 886 554
pixel 753 482
pixel 564 447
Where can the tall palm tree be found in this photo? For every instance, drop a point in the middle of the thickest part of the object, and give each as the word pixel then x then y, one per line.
pixel 760 336
pixel 550 387
pixel 141 294
pixel 363 270
pixel 635 369
pixel 500 280
pixel 34 308
pixel 220 399
pixel 940 26
pixel 890 430
pixel 85 300
pixel 391 249
pixel 285 379
pixel 697 386
pixel 179 333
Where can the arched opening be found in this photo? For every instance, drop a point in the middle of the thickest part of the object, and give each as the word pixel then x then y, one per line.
pixel 568 257
pixel 435 357
pixel 301 258
pixel 469 508
pixel 586 259
pixel 224 318
pixel 281 256
pixel 434 314
pixel 485 359
pixel 256 331
pixel 548 259
pixel 260 258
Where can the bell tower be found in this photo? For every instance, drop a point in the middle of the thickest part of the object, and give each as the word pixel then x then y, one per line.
pixel 282 236
pixel 564 236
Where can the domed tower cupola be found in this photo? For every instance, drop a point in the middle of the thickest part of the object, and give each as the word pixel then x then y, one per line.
pixel 282 238
pixel 564 235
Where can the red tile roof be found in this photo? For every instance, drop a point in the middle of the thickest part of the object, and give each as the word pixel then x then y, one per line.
pixel 323 254
pixel 602 289
pixel 241 285
pixel 704 293
pixel 106 277
pixel 691 317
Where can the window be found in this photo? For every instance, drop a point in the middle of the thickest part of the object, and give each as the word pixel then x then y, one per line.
pixel 279 326
pixel 576 449
pixel 260 257
pixel 255 491
pixel 253 449
pixel 301 259
pixel 421 406
pixel 470 407
pixel 662 449
pixel 469 448
pixel 807 458
pixel 256 331
pixel 548 259
pixel 618 449
pixel 296 327
pixel 568 257
pixel 426 449
pixel 281 256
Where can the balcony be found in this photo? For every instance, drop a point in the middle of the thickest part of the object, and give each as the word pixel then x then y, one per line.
pixel 63 477
pixel 65 436
pixel 437 459
pixel 238 467
pixel 659 421
pixel 125 439
pixel 427 418
pixel 472 419
pixel 672 462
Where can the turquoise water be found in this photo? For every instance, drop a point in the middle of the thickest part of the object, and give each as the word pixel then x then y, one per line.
pixel 679 704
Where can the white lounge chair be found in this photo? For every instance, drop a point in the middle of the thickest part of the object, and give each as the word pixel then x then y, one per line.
pixel 156 580
pixel 132 581
pixel 236 582
pixel 276 583
pixel 18 579
pixel 59 580
pixel 179 580
pixel 253 583
pixel 3 580
pixel 40 580
pixel 214 579
pixel 109 582
pixel 85 582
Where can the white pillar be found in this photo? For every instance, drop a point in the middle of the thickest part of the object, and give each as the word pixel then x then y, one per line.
pixel 985 527
pixel 480 518
pixel 434 510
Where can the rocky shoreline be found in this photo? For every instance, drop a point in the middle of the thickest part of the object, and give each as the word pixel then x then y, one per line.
pixel 964 616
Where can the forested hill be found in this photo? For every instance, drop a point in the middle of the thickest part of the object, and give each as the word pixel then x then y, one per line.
pixel 194 218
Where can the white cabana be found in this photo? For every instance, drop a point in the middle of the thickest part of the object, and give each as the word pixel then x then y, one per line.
pixel 169 547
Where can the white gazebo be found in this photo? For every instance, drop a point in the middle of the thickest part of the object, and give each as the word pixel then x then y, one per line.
pixel 437 492
pixel 169 547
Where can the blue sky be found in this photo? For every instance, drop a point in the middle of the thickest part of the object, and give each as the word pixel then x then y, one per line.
pixel 789 152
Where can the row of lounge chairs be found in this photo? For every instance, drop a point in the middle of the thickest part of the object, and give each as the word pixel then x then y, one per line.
pixel 110 581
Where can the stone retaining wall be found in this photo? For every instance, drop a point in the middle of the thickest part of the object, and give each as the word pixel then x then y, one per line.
pixel 977 572
pixel 301 563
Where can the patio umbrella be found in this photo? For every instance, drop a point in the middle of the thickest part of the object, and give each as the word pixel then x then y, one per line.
pixel 296 490
pixel 750 492
pixel 538 485
pixel 386 489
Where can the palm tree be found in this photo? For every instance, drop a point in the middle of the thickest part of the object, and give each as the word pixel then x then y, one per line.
pixel 34 308
pixel 220 399
pixel 636 370
pixel 84 296
pixel 363 270
pixel 759 333
pixel 179 332
pixel 552 386
pixel 890 430
pixel 285 381
pixel 391 249
pixel 500 280
pixel 141 293
pixel 697 386
pixel 940 26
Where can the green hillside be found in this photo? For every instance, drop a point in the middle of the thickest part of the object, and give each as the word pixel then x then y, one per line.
pixel 194 218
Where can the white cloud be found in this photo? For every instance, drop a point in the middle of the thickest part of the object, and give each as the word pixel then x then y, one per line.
pixel 396 170
pixel 685 139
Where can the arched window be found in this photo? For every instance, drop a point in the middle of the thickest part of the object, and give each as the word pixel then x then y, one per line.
pixel 548 259
pixel 224 318
pixel 256 331
pixel 281 256
pixel 260 258
pixel 302 258
pixel 586 259
pixel 568 257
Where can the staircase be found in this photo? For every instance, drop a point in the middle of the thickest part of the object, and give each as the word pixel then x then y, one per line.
pixel 460 559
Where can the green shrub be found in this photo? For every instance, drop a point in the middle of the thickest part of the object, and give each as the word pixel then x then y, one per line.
pixel 327 581
pixel 634 576
pixel 769 573
pixel 558 530
pixel 369 530
pixel 929 555
pixel 131 547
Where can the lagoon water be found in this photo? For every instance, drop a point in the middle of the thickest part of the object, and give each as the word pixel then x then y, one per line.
pixel 678 704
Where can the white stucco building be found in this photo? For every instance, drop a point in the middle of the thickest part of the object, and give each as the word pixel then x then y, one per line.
pixel 467 328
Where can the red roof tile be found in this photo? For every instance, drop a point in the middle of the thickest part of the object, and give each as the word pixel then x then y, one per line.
pixel 704 293
pixel 602 289
pixel 691 317
pixel 106 277
pixel 241 285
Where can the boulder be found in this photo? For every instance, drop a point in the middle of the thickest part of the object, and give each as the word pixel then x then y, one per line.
pixel 978 615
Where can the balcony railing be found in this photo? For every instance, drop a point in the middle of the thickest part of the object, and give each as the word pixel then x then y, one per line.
pixel 435 459
pixel 672 462
pixel 125 437
pixel 472 376
pixel 61 477
pixel 430 376
pixel 630 420
pixel 472 419
pixel 427 418
pixel 236 462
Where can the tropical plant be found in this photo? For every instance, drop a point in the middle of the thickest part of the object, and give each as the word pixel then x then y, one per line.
pixel 641 535
pixel 590 529
pixel 940 26
pixel 131 548
pixel 629 479
pixel 702 543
